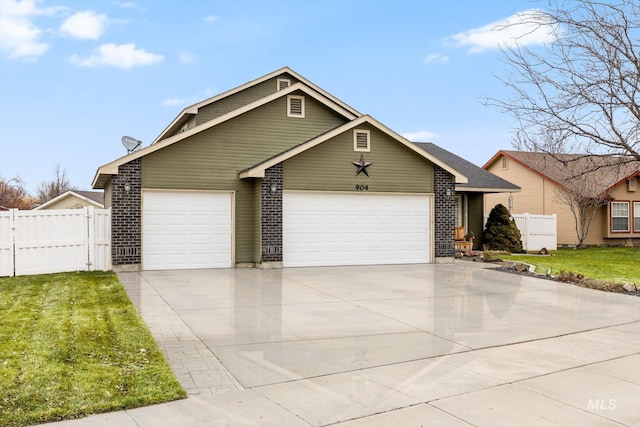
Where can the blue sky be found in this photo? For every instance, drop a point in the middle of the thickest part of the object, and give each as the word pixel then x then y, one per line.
pixel 75 76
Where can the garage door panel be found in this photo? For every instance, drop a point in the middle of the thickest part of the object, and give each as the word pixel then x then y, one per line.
pixel 186 230
pixel 363 229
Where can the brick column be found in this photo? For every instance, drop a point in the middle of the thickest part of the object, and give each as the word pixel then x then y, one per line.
pixel 445 215
pixel 126 217
pixel 271 218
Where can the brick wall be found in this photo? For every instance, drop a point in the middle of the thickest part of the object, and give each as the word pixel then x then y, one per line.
pixel 445 213
pixel 126 212
pixel 271 215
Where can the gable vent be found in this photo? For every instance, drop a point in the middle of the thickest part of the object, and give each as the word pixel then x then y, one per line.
pixel 295 107
pixel 283 84
pixel 361 140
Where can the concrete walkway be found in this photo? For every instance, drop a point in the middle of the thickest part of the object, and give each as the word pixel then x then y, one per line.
pixel 445 345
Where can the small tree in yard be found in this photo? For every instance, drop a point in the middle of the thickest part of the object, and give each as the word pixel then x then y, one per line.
pixel 501 232
pixel 584 196
pixel 13 194
pixel 48 190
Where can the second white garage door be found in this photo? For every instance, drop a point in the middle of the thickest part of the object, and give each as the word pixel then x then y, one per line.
pixel 183 230
pixel 324 229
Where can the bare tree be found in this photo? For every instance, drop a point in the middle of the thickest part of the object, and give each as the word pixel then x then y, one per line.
pixel 583 202
pixel 48 190
pixel 581 92
pixel 13 194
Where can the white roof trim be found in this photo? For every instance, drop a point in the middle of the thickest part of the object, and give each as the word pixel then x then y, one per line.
pixel 64 196
pixel 112 167
pixel 193 109
pixel 259 170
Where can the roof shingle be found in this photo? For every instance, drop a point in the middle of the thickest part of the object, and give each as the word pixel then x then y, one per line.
pixel 479 179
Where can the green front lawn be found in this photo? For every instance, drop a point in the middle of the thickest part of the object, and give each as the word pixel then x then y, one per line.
pixel 72 344
pixel 609 264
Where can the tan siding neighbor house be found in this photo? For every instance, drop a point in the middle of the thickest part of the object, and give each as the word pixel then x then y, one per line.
pixel 75 199
pixel 543 179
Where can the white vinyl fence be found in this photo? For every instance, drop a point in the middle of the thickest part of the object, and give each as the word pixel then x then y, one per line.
pixel 53 241
pixel 537 231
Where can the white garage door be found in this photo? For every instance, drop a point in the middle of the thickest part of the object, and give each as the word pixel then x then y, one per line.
pixel 355 229
pixel 186 230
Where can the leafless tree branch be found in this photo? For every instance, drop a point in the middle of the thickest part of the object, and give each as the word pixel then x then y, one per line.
pixel 581 93
pixel 48 190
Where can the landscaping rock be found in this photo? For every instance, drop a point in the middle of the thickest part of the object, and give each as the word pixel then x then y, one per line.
pixel 543 251
pixel 521 267
pixel 574 278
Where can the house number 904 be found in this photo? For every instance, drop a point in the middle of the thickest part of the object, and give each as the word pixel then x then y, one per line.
pixel 362 187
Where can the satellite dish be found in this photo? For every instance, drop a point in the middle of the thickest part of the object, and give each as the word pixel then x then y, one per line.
pixel 130 143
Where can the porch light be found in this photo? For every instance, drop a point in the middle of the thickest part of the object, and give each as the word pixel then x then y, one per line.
pixel 448 191
pixel 127 187
pixel 274 188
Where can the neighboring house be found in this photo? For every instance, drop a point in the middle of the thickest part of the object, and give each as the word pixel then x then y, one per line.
pixel 470 195
pixel 542 178
pixel 278 172
pixel 75 199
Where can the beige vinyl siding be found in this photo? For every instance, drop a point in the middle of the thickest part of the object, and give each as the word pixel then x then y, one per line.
pixel 70 202
pixel 534 194
pixel 247 96
pixel 327 167
pixel 212 159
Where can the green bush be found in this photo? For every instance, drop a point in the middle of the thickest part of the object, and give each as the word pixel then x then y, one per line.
pixel 501 232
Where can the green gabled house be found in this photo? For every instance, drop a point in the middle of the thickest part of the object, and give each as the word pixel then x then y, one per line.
pixel 278 173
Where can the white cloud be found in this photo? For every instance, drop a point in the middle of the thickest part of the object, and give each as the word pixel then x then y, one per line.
pixel 19 36
pixel 121 56
pixel 84 25
pixel 185 56
pixel 27 8
pixel 526 28
pixel 172 102
pixel 211 18
pixel 435 57
pixel 420 136
pixel 129 5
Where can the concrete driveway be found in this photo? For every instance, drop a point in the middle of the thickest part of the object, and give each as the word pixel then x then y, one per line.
pixel 445 345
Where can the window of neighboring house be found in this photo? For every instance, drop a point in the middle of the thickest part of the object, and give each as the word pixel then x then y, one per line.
pixel 283 84
pixel 295 106
pixel 361 140
pixel 636 217
pixel 505 163
pixel 619 216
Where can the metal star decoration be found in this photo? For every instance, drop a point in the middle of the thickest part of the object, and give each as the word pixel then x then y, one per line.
pixel 362 166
